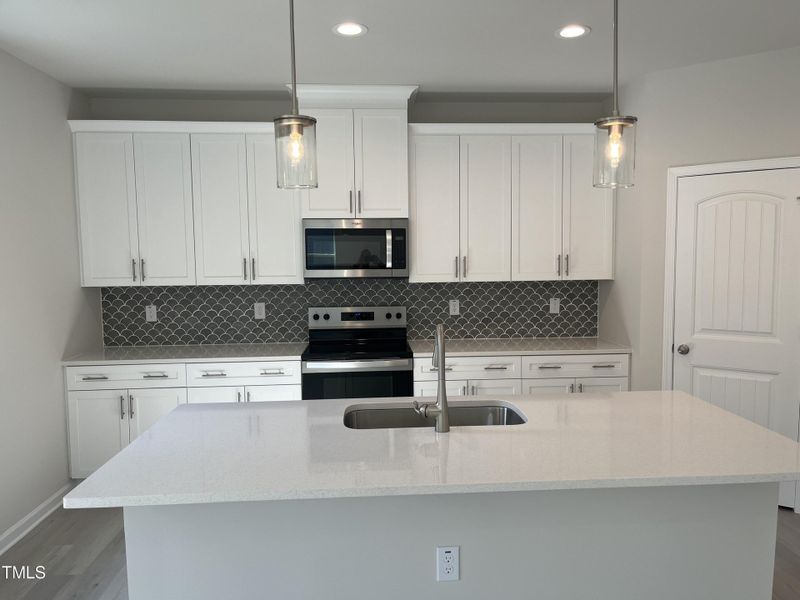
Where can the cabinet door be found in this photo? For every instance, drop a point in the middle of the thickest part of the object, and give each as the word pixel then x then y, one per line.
pixel 207 395
pixel 106 191
pixel 433 223
pixel 485 208
pixel 588 385
pixel 430 388
pixel 273 393
pixel 275 225
pixel 536 167
pixel 98 428
pixel 335 196
pixel 164 201
pixel 219 177
pixel 147 406
pixel 381 163
pixel 549 387
pixel 495 387
pixel 588 215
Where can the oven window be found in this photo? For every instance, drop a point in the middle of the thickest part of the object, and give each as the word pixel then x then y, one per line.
pixel 318 386
pixel 328 249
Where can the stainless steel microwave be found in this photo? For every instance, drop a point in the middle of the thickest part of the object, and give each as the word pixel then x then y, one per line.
pixel 355 248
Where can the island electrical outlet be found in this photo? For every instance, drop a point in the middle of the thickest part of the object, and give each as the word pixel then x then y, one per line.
pixel 447 563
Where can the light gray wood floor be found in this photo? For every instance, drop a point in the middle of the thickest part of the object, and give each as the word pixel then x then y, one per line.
pixel 84 554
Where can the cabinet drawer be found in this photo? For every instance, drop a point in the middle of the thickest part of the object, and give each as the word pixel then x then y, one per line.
pixel 112 377
pixel 584 365
pixel 243 373
pixel 470 367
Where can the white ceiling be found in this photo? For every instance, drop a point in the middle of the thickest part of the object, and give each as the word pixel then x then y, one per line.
pixel 442 45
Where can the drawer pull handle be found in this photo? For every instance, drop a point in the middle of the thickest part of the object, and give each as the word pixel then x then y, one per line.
pixel 446 369
pixel 549 366
pixel 267 372
pixel 158 376
pixel 496 368
pixel 122 407
pixel 603 366
pixel 220 374
pixel 94 378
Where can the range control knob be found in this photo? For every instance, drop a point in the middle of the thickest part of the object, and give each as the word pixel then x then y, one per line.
pixel 326 316
pixel 315 317
pixel 388 315
pixel 399 315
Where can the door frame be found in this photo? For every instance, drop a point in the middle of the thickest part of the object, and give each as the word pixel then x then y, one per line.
pixel 674 174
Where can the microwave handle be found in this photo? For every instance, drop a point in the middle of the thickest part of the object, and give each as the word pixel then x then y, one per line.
pixel 388 248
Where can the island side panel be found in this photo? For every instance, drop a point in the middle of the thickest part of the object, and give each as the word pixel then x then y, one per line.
pixel 691 542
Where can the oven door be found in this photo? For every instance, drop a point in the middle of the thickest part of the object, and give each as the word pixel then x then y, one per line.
pixel 357 379
pixel 355 248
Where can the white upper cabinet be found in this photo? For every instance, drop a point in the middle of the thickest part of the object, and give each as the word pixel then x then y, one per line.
pixel 336 195
pixel 485 208
pixel 275 225
pixel 434 237
pixel 164 200
pixel 362 164
pixel 219 176
pixel 588 215
pixel 536 207
pixel 381 163
pixel 106 192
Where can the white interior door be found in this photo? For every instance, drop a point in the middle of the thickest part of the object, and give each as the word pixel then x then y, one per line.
pixel 457 387
pixel 164 201
pixel 275 224
pixel 146 406
pixel 737 314
pixel 434 236
pixel 485 208
pixel 381 161
pixel 219 177
pixel 335 196
pixel 205 395
pixel 588 215
pixel 106 190
pixel 536 167
pixel 98 428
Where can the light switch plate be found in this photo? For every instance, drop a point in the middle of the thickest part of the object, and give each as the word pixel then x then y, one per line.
pixel 455 308
pixel 555 306
pixel 259 311
pixel 150 313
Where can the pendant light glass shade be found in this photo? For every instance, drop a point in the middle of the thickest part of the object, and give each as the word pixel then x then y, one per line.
pixel 296 151
pixel 615 136
pixel 614 152
pixel 295 137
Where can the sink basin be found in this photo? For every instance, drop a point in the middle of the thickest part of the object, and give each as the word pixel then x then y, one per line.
pixel 392 416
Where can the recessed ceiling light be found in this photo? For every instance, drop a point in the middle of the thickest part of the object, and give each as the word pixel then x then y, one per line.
pixel 350 29
pixel 573 30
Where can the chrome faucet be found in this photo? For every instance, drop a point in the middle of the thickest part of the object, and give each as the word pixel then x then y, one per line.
pixel 439 408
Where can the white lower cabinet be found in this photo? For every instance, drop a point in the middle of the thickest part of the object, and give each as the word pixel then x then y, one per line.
pixel 601 384
pixel 580 385
pixel 102 422
pixel 549 387
pixel 207 395
pixel 495 387
pixel 250 393
pixel 430 388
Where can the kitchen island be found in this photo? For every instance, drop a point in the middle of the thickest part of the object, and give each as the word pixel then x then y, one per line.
pixel 633 495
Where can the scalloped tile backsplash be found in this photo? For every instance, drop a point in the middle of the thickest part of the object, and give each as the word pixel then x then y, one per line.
pixel 224 314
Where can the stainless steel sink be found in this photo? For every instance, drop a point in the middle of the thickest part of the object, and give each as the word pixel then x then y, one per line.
pixel 391 416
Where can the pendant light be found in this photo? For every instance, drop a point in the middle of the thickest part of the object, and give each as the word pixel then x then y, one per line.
pixel 615 136
pixel 295 138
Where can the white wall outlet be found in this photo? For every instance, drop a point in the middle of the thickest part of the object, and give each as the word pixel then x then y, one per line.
pixel 455 308
pixel 447 563
pixel 260 310
pixel 150 313
pixel 555 306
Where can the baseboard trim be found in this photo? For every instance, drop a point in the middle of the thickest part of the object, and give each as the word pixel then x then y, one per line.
pixel 22 527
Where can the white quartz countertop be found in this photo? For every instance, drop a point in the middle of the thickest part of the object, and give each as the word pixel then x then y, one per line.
pixel 292 351
pixel 208 453
pixel 187 354
pixel 522 346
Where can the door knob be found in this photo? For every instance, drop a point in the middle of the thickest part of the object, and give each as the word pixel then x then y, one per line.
pixel 683 349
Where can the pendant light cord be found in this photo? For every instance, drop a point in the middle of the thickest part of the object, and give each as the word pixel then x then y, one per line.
pixel 294 70
pixel 615 31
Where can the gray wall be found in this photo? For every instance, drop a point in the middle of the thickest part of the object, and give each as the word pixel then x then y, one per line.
pixel 738 109
pixel 43 311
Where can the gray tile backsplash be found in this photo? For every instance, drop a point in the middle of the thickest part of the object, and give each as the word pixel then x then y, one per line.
pixel 224 314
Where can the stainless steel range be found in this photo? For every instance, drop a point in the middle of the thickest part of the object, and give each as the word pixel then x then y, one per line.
pixel 357 352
